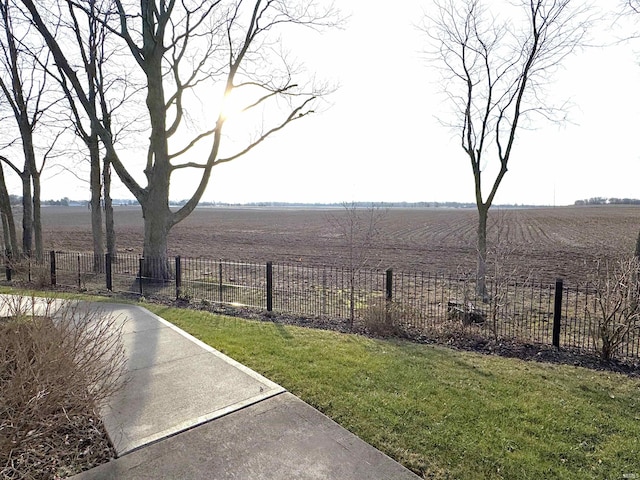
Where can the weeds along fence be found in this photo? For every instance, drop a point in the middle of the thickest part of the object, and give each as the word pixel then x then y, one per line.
pixel 529 311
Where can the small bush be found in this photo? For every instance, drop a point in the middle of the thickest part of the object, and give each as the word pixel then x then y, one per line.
pixel 616 313
pixel 58 363
pixel 386 318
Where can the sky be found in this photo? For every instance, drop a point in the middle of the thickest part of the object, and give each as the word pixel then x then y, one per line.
pixel 379 138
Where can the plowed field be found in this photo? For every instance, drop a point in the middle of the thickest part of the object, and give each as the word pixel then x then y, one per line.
pixel 546 242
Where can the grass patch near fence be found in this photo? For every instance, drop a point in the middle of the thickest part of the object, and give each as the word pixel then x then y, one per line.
pixel 442 413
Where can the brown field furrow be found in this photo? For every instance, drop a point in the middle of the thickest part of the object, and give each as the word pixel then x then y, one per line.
pixel 545 242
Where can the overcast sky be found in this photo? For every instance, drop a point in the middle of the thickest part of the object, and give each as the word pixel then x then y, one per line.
pixel 380 139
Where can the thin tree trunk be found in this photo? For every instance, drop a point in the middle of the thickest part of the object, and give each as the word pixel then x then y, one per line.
pixel 108 210
pixel 27 214
pixel 6 237
pixel 8 222
pixel 481 283
pixel 37 218
pixel 31 221
pixel 95 185
pixel 352 302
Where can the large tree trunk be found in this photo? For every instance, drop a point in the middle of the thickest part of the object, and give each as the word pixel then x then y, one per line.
pixel 158 218
pixel 157 223
pixel 108 210
pixel 8 223
pixel 481 283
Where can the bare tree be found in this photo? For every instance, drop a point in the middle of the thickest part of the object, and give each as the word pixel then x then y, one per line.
pixel 90 32
pixel 185 51
pixel 359 229
pixel 24 85
pixel 495 73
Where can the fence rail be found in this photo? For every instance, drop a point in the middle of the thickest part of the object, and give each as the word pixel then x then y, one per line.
pixel 531 312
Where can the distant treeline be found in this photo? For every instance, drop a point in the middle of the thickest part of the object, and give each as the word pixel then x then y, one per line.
pixel 66 202
pixel 339 204
pixel 349 204
pixel 608 201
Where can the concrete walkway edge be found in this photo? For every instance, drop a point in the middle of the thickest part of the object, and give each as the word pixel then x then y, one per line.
pixel 217 353
pixel 191 412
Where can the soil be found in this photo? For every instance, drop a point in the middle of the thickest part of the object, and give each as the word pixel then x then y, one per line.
pixel 542 243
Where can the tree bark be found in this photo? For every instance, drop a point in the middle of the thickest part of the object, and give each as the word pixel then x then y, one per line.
pixel 157 223
pixel 481 274
pixel 95 184
pixel 158 218
pixel 31 218
pixel 8 222
pixel 108 210
pixel 37 217
pixel 27 213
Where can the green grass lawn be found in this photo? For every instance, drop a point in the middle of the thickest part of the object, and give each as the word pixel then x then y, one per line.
pixel 444 413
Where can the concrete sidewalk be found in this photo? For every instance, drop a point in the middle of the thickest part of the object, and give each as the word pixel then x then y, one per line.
pixel 190 412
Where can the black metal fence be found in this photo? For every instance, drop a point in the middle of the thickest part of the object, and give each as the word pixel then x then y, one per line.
pixel 527 311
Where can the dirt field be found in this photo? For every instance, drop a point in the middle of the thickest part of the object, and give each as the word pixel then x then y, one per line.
pixel 547 242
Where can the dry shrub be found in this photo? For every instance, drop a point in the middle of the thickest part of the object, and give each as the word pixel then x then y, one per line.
pixel 616 310
pixel 40 275
pixel 386 318
pixel 458 324
pixel 27 269
pixel 59 362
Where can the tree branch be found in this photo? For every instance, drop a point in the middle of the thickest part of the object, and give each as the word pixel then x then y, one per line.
pixel 296 114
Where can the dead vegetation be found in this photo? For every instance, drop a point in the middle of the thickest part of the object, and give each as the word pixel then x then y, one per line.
pixel 386 318
pixel 616 309
pixel 59 362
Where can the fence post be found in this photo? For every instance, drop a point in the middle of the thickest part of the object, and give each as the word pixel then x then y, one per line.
pixel 220 281
pixel 178 277
pixel 389 284
pixel 140 270
pixel 557 313
pixel 269 287
pixel 107 269
pixel 324 290
pixel 53 267
pixel 79 274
